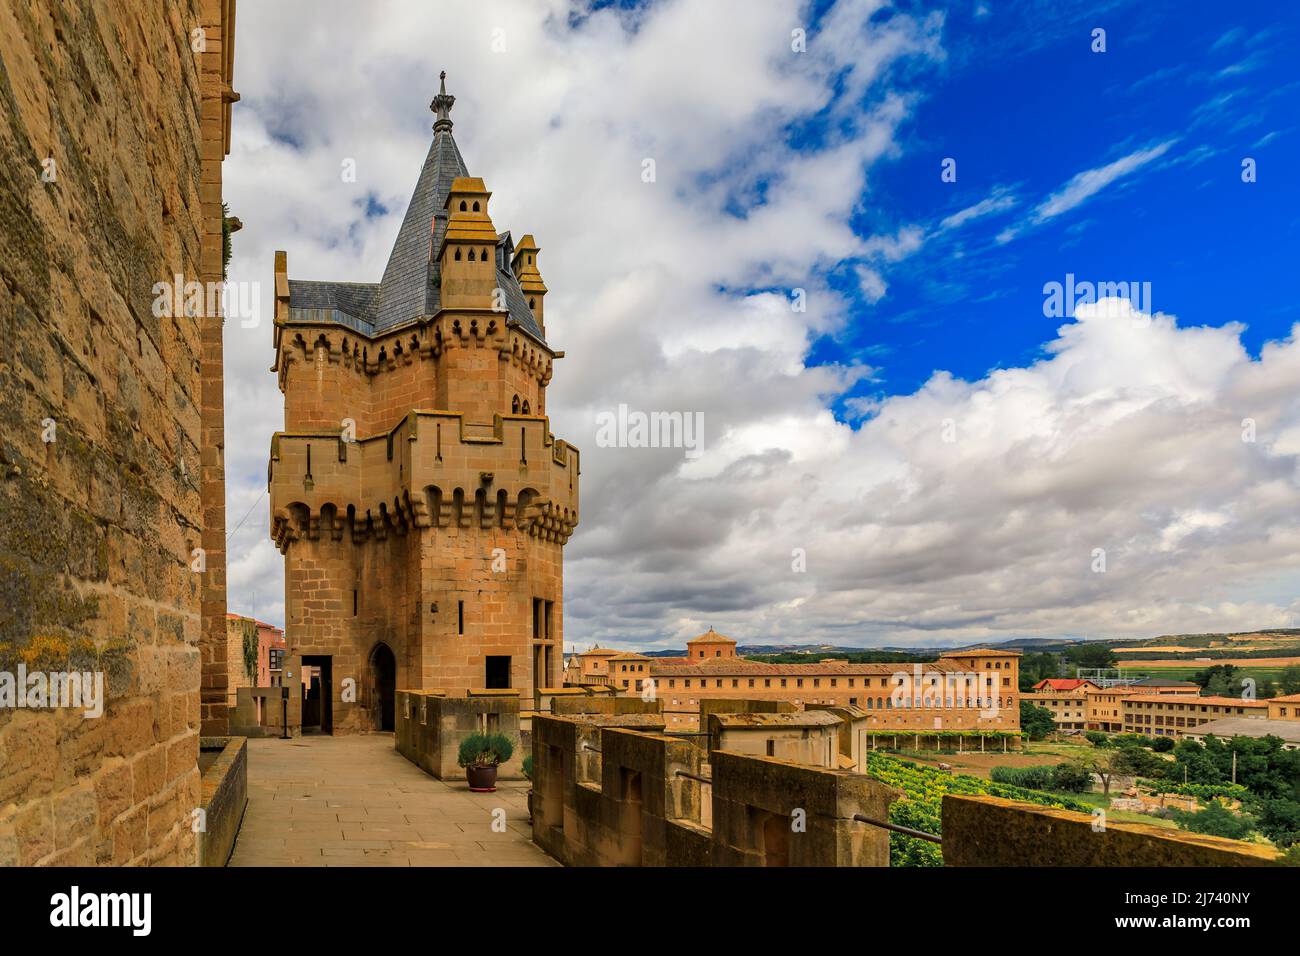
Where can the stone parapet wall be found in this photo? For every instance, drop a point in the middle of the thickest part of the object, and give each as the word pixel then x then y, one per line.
pixel 607 792
pixel 990 831
pixel 430 726
pixel 225 797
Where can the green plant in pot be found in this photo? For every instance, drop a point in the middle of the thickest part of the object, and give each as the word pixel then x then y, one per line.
pixel 480 755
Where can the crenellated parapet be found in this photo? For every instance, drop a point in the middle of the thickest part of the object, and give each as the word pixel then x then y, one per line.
pixel 426 340
pixel 432 470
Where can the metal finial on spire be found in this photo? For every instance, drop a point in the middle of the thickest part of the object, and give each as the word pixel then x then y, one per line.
pixel 442 104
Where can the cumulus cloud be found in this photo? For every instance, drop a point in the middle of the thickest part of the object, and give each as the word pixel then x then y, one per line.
pixel 678 295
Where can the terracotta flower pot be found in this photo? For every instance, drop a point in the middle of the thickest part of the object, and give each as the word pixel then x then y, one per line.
pixel 482 779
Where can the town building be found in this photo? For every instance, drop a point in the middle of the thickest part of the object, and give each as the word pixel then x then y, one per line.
pixel 1172 716
pixel 1069 707
pixel 254 654
pixel 1105 708
pixel 1061 685
pixel 1284 708
pixel 962 690
pixel 417 493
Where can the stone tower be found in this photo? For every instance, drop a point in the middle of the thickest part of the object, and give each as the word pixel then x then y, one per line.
pixel 417 494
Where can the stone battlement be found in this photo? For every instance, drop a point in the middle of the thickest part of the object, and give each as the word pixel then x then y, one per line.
pixel 431 470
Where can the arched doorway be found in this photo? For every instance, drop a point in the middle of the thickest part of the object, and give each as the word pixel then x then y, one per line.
pixel 383 671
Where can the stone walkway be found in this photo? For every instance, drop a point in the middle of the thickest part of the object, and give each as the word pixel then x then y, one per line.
pixel 354 801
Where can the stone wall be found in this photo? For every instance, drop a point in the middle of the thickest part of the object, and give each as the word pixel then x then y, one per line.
pixel 113 123
pixel 989 831
pixel 613 791
pixel 430 726
pixel 225 797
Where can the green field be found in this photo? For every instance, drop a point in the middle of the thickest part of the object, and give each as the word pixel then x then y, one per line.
pixel 1186 672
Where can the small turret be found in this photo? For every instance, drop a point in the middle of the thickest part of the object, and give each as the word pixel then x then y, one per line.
pixel 525 269
pixel 468 253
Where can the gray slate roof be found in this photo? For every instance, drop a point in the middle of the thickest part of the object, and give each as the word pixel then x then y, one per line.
pixel 409 287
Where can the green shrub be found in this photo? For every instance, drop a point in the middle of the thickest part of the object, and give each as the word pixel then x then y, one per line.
pixel 1071 778
pixel 484 750
pixel 1097 738
pixel 1215 820
pixel 1031 778
pixel 528 766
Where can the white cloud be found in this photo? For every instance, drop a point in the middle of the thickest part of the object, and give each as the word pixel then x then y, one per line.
pixel 999 201
pixel 1088 183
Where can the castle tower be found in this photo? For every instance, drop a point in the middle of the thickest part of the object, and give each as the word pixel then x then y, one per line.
pixel 420 501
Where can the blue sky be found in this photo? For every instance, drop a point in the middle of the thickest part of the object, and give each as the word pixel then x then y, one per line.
pixel 1023 109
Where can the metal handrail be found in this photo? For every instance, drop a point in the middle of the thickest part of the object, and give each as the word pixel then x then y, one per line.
pixel 693 776
pixel 905 831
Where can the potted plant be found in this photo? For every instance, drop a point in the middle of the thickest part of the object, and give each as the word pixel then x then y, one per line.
pixel 480 754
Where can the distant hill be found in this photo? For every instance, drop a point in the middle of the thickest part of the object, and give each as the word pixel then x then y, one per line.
pixel 1213 643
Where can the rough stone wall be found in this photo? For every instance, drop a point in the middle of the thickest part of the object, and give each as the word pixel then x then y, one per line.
pixel 615 791
pixel 225 797
pixel 429 728
pixel 989 831
pixel 112 131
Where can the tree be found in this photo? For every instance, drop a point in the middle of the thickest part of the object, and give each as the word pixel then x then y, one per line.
pixel 1139 762
pixel 1071 777
pixel 1037 667
pixel 1036 721
pixel 1090 655
pixel 1101 762
pixel 1289 680
pixel 1279 820
pixel 1218 680
pixel 1215 820
pixel 1097 738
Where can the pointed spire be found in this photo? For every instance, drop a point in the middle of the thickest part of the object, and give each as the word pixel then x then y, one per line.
pixel 442 104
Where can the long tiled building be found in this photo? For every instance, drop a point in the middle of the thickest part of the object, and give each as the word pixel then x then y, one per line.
pixel 962 690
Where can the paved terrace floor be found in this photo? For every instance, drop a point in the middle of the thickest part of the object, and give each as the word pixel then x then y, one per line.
pixel 354 801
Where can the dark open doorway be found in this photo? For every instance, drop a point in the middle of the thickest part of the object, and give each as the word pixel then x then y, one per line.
pixel 383 672
pixel 318 695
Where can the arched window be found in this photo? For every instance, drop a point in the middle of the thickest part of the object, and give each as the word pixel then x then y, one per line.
pixel 514 405
pixel 476 205
pixel 532 303
pixel 458 255
pixel 530 260
pixel 526 411
pixel 462 206
pixel 485 255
